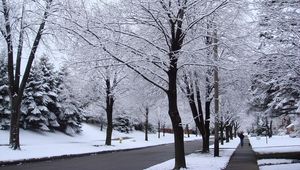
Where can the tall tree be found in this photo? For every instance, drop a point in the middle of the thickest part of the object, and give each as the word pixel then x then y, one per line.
pixel 156 43
pixel 16 82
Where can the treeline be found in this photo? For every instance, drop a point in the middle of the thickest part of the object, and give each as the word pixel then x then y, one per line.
pixel 47 103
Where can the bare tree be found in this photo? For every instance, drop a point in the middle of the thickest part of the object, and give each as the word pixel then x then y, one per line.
pixel 154 35
pixel 168 19
pixel 106 87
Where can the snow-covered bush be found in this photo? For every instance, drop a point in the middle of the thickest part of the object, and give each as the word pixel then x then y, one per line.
pixel 122 123
pixel 140 126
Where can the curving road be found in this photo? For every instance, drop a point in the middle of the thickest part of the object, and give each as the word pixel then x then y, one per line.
pixel 124 160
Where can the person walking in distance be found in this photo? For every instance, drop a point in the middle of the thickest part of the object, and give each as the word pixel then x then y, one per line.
pixel 241 136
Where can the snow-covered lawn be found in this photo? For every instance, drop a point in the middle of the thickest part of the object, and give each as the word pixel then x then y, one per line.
pixel 198 161
pixel 276 144
pixel 41 145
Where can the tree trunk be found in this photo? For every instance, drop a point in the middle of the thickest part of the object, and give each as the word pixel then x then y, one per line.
pixel 227 129
pixel 271 131
pixel 109 112
pixel 230 131
pixel 101 126
pixel 164 129
pixel 235 131
pixel 207 124
pixel 14 139
pixel 222 132
pixel 174 115
pixel 187 130
pixel 158 129
pixel 208 86
pixel 146 124
pixel 216 95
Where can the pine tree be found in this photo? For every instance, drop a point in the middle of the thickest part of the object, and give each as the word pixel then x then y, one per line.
pixel 40 98
pixel 4 96
pixel 70 114
pixel 50 85
pixel 33 109
pixel 276 89
pixel 123 123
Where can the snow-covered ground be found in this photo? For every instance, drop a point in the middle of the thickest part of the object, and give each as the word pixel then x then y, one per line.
pixel 45 144
pixel 276 144
pixel 198 161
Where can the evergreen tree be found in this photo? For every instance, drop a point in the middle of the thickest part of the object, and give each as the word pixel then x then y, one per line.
pixel 123 123
pixel 50 86
pixel 4 96
pixel 40 98
pixel 33 108
pixel 69 116
pixel 276 88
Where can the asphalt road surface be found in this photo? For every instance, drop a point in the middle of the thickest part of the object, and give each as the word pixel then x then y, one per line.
pixel 124 160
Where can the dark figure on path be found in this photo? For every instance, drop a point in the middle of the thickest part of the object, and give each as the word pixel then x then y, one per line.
pixel 241 136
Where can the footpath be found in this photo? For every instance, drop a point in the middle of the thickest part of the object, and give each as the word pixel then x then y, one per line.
pixel 243 158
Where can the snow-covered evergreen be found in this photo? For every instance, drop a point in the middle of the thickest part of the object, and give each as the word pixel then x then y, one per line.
pixel 4 96
pixel 40 98
pixel 48 102
pixel 69 116
pixel 122 123
pixel 32 116
pixel 275 87
pixel 50 86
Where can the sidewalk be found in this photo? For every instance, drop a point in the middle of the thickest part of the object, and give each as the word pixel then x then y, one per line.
pixel 243 158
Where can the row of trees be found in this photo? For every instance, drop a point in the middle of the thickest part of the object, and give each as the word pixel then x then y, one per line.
pixel 276 90
pixel 159 41
pixel 164 42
